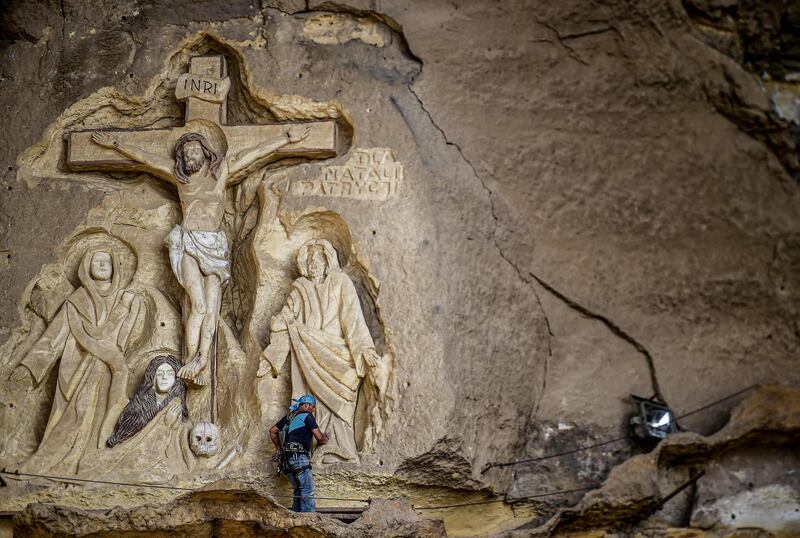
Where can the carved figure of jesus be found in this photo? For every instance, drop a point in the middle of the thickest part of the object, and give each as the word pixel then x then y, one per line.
pixel 198 249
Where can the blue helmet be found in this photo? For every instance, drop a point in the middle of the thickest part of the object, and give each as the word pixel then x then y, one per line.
pixel 305 399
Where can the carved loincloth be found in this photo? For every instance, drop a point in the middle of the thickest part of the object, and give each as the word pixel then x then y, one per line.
pixel 210 249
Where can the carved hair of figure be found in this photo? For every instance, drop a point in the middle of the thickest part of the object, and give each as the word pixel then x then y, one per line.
pixel 327 250
pixel 146 404
pixel 184 169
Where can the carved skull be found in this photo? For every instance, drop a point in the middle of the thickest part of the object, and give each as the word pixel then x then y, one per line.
pixel 205 440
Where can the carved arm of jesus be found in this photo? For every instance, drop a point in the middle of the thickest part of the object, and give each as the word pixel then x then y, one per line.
pixel 242 160
pixel 161 167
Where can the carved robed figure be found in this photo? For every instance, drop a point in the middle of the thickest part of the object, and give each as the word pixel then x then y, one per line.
pixel 89 334
pixel 322 328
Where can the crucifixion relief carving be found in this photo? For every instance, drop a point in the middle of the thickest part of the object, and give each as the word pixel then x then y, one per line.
pixel 215 219
pixel 201 159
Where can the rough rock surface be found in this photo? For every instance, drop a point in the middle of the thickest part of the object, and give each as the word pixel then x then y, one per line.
pixel 759 443
pixel 224 508
pixel 762 493
pixel 600 199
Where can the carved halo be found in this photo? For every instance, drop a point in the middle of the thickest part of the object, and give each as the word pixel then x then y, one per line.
pixel 98 239
pixel 208 129
pixel 328 250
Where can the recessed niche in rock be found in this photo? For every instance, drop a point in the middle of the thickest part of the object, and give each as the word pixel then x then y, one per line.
pixel 145 339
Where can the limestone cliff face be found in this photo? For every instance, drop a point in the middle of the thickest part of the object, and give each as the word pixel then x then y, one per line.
pixel 597 199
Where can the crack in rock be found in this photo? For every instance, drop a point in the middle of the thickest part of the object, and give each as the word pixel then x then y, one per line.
pixel 454 144
pixel 562 40
pixel 611 326
pixel 332 7
pixel 485 187
pixel 547 358
pixel 497 246
pixel 63 11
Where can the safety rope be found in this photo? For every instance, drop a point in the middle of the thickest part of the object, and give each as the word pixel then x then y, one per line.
pixel 68 480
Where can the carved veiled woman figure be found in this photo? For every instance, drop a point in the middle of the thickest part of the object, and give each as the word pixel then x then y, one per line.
pixel 151 440
pixel 89 334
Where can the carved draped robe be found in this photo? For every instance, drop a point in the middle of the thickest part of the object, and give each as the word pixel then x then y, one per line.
pixel 155 455
pixel 89 334
pixel 325 328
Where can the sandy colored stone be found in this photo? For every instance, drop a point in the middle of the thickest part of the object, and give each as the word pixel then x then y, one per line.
pixel 338 29
pixel 224 508
pixel 773 508
pixel 598 200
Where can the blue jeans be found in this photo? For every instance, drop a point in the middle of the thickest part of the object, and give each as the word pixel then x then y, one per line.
pixel 303 485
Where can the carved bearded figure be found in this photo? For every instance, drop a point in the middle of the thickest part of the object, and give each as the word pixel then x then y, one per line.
pixel 89 334
pixel 322 328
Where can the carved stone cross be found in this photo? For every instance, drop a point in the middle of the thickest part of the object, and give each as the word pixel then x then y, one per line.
pixel 206 73
pixel 201 159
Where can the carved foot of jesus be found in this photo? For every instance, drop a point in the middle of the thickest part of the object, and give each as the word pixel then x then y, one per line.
pixel 193 371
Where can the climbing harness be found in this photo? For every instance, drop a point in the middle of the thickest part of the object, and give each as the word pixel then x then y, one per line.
pixel 294 420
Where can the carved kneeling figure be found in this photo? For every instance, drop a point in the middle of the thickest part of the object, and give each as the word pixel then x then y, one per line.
pixel 151 440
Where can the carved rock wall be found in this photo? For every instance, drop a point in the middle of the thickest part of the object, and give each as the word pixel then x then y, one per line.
pixel 594 200
pixel 224 508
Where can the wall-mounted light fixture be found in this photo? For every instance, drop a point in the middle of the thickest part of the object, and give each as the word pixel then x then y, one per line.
pixel 654 420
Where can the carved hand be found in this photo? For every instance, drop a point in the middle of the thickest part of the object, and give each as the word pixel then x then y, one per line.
pixel 371 358
pixel 296 134
pixel 20 373
pixel 173 411
pixel 272 356
pixel 127 297
pixel 263 367
pixel 104 139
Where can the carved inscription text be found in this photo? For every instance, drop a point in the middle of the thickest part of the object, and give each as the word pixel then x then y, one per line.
pixel 206 88
pixel 369 174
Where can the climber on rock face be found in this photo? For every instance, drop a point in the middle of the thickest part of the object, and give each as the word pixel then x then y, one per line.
pixel 292 437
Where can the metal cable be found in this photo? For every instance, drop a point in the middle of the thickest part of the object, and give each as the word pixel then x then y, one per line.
pixel 511 501
pixel 503 464
pixel 436 507
pixel 68 479
pixel 616 440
